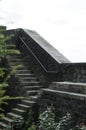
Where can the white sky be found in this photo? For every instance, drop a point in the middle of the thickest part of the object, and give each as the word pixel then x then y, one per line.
pixel 61 22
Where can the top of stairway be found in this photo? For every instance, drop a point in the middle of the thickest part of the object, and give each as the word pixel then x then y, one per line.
pixel 47 47
pixel 49 59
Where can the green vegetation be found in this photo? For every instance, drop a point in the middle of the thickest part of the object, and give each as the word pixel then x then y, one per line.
pixel 33 127
pixel 5 49
pixel 47 122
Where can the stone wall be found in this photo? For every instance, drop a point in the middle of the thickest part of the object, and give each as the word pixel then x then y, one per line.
pixel 57 66
pixel 75 72
pixel 63 103
pixel 31 49
pixel 69 87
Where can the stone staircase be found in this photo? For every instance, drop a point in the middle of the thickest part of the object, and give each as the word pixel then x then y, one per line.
pixel 29 83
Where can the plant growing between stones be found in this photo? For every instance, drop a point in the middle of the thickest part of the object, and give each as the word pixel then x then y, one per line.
pixel 47 122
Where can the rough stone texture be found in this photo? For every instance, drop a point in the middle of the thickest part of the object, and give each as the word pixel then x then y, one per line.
pixel 63 102
pixel 58 68
pixel 45 76
pixel 69 87
pixel 35 66
pixel 47 56
pixel 47 47
pixel 75 72
pixel 52 69
pixel 50 65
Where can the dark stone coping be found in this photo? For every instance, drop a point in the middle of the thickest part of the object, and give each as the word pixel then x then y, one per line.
pixel 69 87
pixel 69 83
pixel 81 64
pixel 47 47
pixel 64 94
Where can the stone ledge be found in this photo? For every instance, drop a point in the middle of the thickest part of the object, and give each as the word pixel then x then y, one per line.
pixel 70 83
pixel 64 94
pixel 69 87
pixel 47 47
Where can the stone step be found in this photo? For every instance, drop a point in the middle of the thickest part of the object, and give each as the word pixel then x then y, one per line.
pixel 23 106
pixel 38 87
pixel 25 75
pixel 23 71
pixel 32 92
pixel 6 120
pixel 14 56
pixel 16 63
pixel 31 83
pixel 15 59
pixel 28 72
pixel 13 115
pixel 18 111
pixel 28 79
pixel 11 47
pixel 20 66
pixel 69 87
pixel 34 98
pixel 28 102
pixel 3 126
pixel 11 59
pixel 23 68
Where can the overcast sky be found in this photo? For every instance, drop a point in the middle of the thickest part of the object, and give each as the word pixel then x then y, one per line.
pixel 61 22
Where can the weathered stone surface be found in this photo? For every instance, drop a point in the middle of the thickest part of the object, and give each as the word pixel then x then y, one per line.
pixel 63 102
pixel 47 47
pixel 75 72
pixel 50 65
pixel 69 87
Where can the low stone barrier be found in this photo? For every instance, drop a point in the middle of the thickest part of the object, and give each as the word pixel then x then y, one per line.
pixel 69 87
pixel 63 102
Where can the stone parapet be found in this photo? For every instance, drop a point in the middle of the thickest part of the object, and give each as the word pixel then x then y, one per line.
pixel 69 87
pixel 63 102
